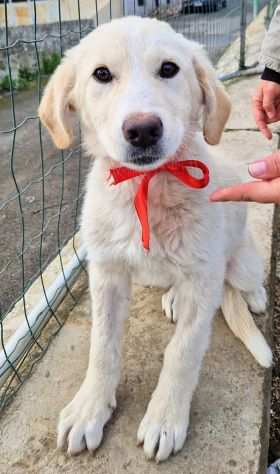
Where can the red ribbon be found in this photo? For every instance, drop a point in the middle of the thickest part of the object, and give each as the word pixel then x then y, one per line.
pixel 177 168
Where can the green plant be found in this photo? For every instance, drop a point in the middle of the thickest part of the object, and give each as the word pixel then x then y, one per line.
pixel 21 84
pixel 25 78
pixel 49 63
pixel 27 74
pixel 5 84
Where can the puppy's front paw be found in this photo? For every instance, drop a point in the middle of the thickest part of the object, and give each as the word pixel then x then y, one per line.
pixel 81 422
pixel 163 429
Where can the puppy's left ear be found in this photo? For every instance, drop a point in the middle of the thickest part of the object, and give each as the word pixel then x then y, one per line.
pixel 216 100
pixel 57 105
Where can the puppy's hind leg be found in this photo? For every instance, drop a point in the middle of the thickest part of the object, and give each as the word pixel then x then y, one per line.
pixel 168 305
pixel 243 326
pixel 244 286
pixel 81 423
pixel 245 272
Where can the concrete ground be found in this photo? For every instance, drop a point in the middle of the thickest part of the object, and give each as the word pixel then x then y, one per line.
pixel 40 199
pixel 230 411
pixel 229 62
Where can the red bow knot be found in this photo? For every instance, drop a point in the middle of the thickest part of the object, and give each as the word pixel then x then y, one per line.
pixel 177 168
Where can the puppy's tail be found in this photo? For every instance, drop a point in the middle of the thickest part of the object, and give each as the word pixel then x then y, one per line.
pixel 242 324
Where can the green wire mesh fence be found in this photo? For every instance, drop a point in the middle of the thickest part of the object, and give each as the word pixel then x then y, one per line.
pixel 40 187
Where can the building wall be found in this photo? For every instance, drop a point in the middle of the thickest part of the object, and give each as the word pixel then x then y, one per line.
pixel 137 7
pixel 22 13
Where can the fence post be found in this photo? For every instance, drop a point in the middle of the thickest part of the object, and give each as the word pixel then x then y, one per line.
pixel 256 7
pixel 243 24
pixel 271 6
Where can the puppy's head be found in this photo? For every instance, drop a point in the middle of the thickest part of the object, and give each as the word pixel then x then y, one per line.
pixel 139 89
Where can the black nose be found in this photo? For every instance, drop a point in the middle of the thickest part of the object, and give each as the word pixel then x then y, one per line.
pixel 143 130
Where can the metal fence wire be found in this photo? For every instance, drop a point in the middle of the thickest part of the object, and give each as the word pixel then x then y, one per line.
pixel 40 187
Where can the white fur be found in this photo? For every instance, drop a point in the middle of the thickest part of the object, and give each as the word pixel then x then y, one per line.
pixel 195 247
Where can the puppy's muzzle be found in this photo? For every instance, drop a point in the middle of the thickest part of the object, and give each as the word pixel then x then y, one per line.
pixel 143 130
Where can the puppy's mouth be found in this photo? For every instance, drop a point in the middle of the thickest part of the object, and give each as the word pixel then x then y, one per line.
pixel 145 160
pixel 148 157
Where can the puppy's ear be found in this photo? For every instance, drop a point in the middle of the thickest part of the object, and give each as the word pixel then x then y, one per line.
pixel 216 100
pixel 57 106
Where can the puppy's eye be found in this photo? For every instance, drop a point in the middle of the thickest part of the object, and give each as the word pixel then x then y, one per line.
pixel 102 74
pixel 168 70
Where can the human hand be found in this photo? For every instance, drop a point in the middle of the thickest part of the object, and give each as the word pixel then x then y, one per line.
pixel 266 190
pixel 266 106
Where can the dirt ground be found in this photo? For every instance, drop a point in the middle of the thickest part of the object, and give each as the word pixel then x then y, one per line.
pixel 24 197
pixel 274 452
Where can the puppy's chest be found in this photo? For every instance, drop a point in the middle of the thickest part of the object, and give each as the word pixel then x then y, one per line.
pixel 173 218
pixel 170 212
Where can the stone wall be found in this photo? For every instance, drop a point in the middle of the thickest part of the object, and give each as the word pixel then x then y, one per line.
pixel 49 40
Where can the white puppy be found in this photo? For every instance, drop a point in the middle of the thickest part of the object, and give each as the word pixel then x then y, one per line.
pixel 140 91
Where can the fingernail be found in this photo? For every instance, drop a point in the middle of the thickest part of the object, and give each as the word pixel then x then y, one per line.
pixel 259 168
